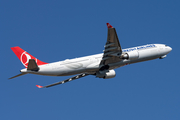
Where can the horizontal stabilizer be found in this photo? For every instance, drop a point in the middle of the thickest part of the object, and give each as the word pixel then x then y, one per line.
pixel 18 75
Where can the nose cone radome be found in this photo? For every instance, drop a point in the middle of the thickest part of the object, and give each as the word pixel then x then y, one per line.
pixel 169 49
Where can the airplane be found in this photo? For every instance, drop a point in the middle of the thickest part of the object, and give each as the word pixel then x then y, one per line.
pixel 100 65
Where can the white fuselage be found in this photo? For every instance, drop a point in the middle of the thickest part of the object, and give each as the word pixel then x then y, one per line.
pixel 91 64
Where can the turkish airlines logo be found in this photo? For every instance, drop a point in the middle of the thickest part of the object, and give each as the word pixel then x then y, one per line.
pixel 25 58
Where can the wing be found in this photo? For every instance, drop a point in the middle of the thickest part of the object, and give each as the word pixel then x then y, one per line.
pixel 112 48
pixel 64 81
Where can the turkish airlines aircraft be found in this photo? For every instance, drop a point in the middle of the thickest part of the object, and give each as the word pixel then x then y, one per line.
pixel 100 65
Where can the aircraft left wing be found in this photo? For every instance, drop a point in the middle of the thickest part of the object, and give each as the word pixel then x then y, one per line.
pixel 113 48
pixel 64 81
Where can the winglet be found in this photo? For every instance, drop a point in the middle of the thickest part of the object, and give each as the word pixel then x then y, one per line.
pixel 109 26
pixel 39 86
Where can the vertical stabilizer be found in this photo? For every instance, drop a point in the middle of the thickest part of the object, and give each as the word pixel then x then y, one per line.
pixel 24 57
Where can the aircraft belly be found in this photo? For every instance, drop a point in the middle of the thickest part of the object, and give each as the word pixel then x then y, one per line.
pixel 60 72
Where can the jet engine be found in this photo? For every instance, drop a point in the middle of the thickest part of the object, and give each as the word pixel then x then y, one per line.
pixel 130 55
pixel 106 74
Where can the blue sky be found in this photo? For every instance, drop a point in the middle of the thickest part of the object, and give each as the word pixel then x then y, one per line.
pixel 58 30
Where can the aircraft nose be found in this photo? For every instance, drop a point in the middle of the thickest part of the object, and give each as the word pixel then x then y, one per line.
pixel 169 49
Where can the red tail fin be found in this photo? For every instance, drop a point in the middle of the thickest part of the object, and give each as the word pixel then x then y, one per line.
pixel 24 56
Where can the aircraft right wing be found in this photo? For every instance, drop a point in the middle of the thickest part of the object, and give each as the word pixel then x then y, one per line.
pixel 113 48
pixel 64 81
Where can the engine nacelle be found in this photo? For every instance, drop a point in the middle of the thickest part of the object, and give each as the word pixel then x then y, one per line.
pixel 130 55
pixel 106 74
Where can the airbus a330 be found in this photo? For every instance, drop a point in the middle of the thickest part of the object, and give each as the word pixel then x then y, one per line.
pixel 100 65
